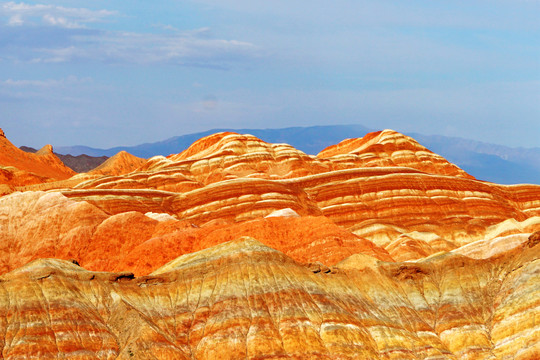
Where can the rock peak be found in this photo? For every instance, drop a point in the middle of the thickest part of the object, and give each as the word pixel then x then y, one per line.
pixel 46 150
pixel 2 134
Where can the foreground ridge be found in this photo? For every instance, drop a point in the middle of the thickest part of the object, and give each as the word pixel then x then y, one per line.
pixel 243 299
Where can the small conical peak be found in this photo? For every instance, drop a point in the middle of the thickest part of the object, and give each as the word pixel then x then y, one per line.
pixel 46 150
pixel 243 245
pixel 2 134
pixel 119 164
pixel 123 153
pixel 120 156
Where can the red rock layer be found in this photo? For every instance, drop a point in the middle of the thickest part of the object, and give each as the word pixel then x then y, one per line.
pixel 244 300
pixel 18 168
pixel 407 211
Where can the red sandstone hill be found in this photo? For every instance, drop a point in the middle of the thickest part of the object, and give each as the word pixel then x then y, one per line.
pixel 376 248
pixel 18 168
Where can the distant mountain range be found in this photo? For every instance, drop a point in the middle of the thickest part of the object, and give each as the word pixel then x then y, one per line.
pixel 490 162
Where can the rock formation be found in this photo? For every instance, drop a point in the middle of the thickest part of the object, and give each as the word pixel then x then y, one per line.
pixel 236 248
pixel 19 168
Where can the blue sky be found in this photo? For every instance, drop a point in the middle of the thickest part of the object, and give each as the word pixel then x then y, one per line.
pixel 107 73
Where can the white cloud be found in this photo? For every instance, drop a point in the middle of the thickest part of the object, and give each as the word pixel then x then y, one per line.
pixel 186 48
pixel 70 80
pixel 22 13
pixel 15 20
pixel 59 21
pixel 38 33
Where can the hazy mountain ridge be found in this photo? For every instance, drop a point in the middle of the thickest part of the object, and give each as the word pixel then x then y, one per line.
pixel 490 162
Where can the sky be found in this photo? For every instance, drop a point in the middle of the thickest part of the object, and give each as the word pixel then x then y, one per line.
pixel 109 73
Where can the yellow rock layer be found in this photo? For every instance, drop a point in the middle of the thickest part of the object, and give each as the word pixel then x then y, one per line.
pixel 244 300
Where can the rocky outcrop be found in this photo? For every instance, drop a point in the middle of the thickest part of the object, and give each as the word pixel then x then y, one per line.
pixel 243 299
pixel 80 163
pixel 19 168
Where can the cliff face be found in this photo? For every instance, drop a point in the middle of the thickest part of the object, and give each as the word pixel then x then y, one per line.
pixel 236 248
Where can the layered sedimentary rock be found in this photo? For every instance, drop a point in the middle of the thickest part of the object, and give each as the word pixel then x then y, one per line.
pixel 243 299
pixel 374 249
pixel 409 212
pixel 383 203
pixel 218 157
pixel 412 213
pixel 225 156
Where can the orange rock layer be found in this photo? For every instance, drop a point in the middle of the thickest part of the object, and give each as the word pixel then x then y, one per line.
pixel 49 225
pixel 389 148
pixel 226 156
